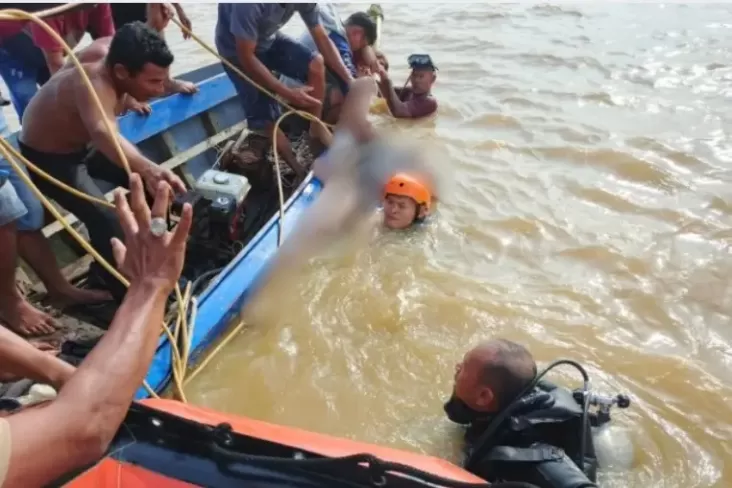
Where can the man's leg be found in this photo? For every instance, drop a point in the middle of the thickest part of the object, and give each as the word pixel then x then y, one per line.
pixel 19 315
pixel 36 251
pixel 101 222
pixel 261 111
pixel 292 59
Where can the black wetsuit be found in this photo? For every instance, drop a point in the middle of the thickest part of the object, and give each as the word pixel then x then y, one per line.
pixel 539 443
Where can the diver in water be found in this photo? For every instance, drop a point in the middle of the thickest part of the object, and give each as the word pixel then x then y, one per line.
pixel 520 428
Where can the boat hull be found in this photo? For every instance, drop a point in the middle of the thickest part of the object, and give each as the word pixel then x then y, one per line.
pixel 172 448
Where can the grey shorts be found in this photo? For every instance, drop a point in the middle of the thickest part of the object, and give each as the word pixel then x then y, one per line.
pixel 11 206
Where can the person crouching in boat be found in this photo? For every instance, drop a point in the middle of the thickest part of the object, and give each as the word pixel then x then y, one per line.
pixel 520 428
pixel 407 201
pixel 62 120
pixel 248 36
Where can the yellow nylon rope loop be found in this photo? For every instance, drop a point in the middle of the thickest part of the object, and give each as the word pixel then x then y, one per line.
pixel 8 153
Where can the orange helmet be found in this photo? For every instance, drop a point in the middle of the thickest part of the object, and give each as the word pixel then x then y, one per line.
pixel 405 185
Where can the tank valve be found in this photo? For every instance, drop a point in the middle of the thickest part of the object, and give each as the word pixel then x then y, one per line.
pixel 622 401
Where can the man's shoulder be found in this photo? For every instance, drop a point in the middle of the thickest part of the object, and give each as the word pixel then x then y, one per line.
pixel 306 7
pixel 243 9
pixel 422 105
pixel 72 80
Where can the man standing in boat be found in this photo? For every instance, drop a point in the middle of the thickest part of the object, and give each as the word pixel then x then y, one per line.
pixel 62 120
pixel 247 35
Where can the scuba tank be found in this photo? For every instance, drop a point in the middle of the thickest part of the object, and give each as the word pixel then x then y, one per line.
pixel 613 443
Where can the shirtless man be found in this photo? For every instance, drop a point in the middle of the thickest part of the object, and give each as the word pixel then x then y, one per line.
pixel 62 120
pixel 415 100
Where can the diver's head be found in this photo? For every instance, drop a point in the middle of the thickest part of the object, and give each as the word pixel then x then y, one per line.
pixel 424 73
pixel 406 201
pixel 139 61
pixel 361 31
pixel 490 376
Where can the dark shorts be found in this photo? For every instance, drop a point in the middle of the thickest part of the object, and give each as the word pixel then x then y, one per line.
pixel 94 176
pixel 285 56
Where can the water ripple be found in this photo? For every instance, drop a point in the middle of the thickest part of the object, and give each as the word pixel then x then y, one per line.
pixel 588 216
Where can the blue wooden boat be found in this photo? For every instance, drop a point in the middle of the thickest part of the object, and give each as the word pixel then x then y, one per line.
pixel 183 132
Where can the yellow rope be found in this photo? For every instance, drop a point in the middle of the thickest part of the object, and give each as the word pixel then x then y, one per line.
pixel 19 15
pixel 239 72
pixel 290 111
pixel 50 178
pixel 179 361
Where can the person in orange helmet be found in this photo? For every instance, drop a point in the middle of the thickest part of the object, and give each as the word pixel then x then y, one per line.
pixel 362 171
pixel 407 201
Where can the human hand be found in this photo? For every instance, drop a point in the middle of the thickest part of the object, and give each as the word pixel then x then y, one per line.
pixel 145 258
pixel 155 174
pixel 300 98
pixel 184 20
pixel 136 106
pixel 180 86
pixel 159 15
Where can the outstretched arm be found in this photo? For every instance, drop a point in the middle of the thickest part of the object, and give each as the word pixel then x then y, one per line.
pixel 398 108
pixel 77 427
pixel 331 56
pixel 103 140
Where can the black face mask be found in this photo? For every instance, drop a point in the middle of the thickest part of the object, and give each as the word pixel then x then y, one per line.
pixel 459 412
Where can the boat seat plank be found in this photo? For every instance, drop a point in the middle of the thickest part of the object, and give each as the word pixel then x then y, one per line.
pixel 172 163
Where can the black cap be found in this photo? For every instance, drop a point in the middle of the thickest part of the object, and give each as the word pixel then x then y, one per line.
pixel 421 62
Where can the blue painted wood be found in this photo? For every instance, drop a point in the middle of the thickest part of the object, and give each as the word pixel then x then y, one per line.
pixel 172 110
pixel 224 297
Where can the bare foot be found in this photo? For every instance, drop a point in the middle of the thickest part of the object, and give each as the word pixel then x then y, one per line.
pixel 321 133
pixel 79 296
pixel 24 319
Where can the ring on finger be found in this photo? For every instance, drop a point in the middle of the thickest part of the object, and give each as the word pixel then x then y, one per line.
pixel 158 226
